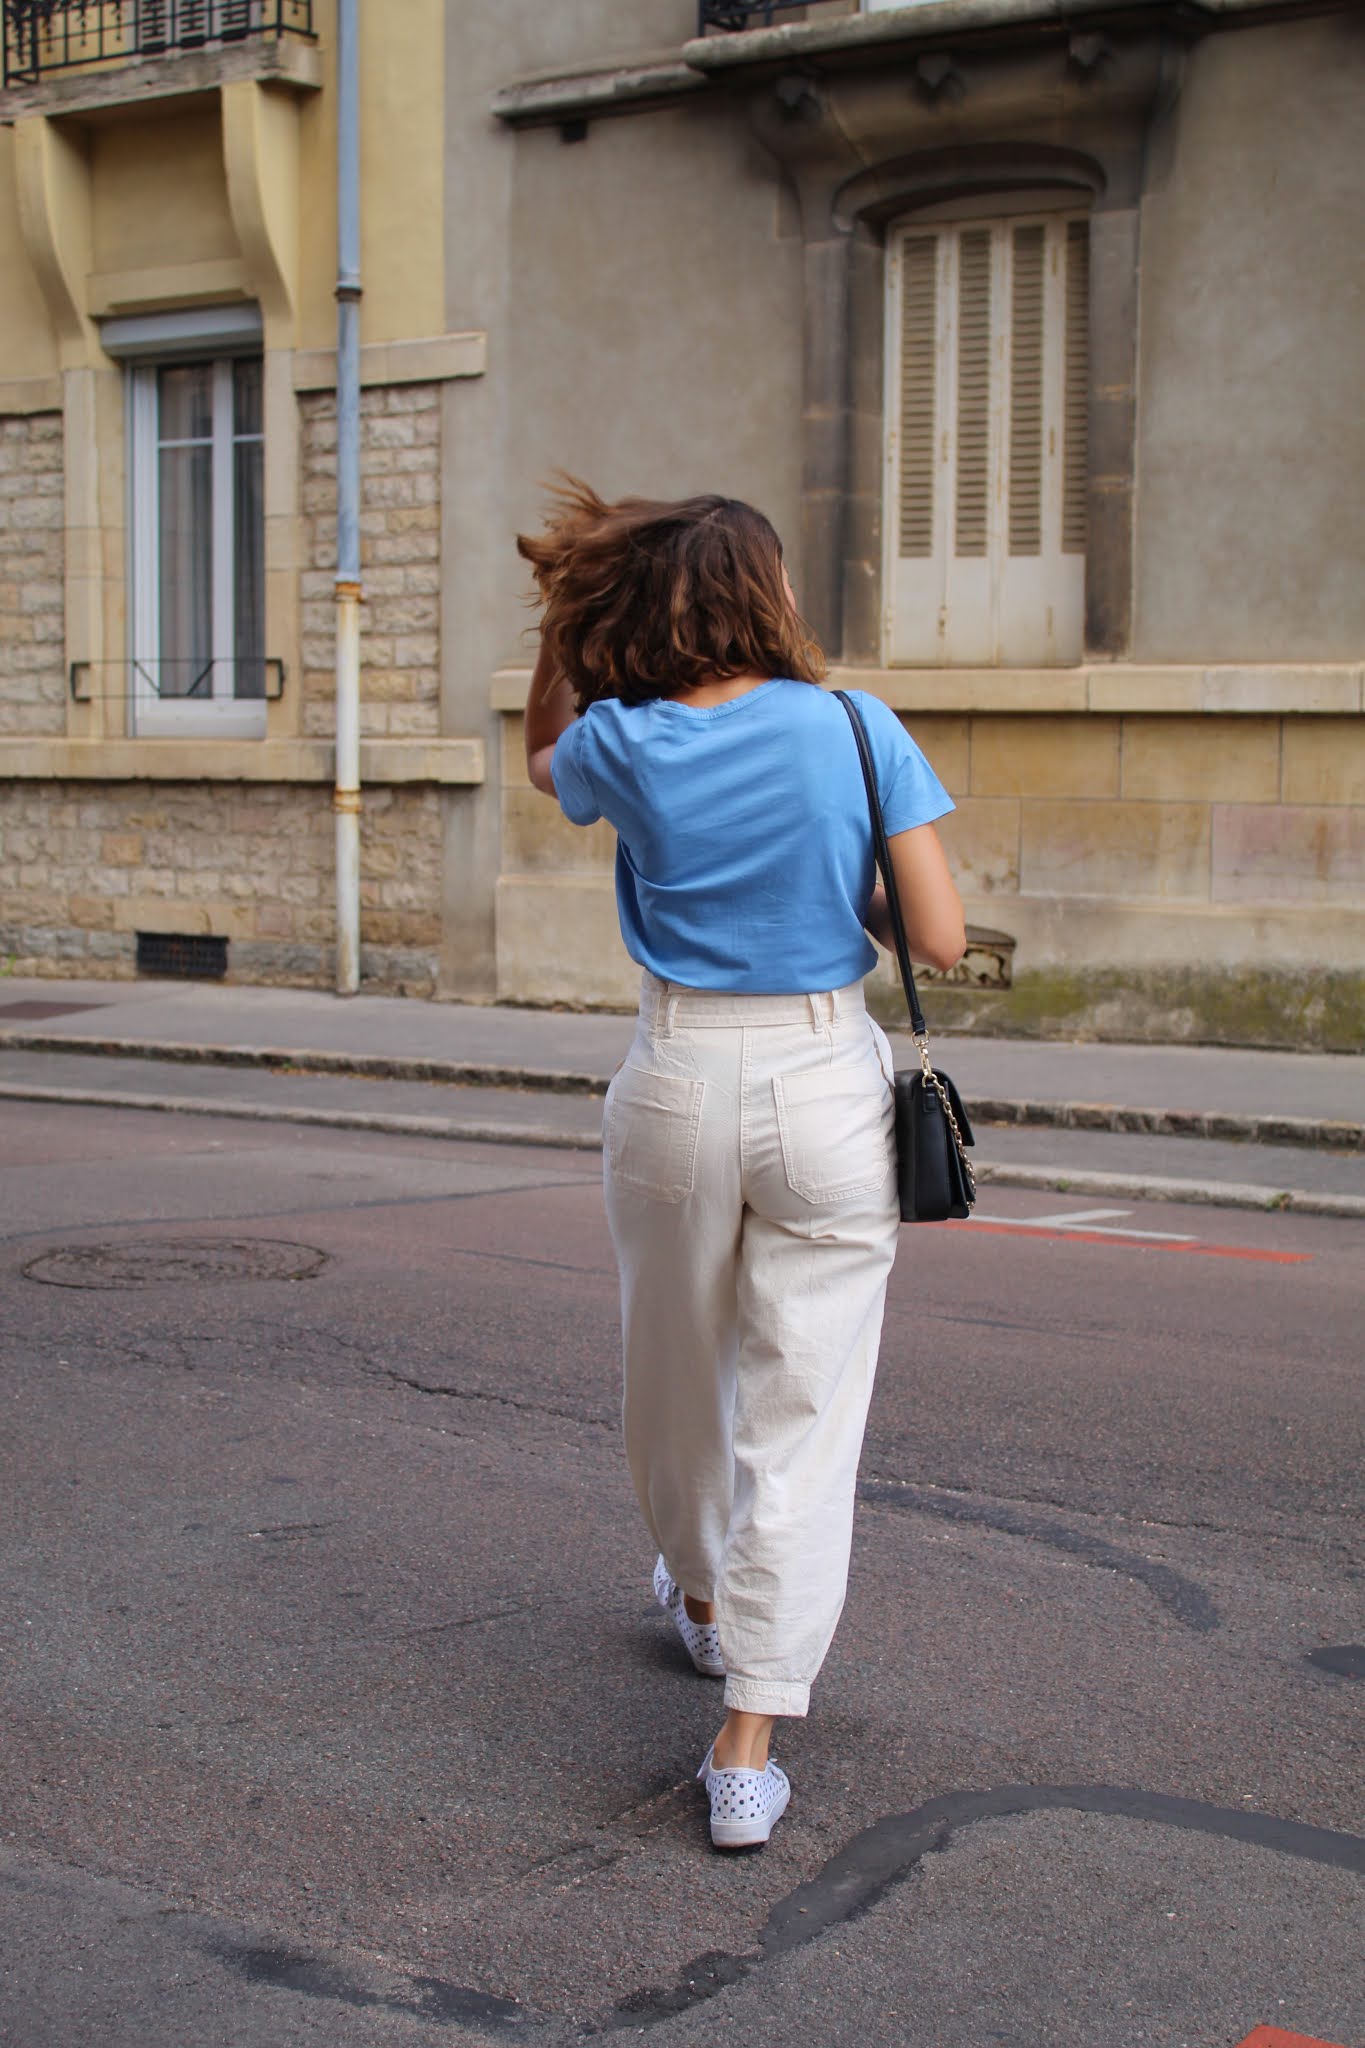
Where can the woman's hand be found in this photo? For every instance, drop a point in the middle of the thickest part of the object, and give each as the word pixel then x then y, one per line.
pixel 930 905
pixel 549 712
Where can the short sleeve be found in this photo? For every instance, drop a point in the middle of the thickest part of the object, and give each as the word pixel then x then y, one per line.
pixel 569 773
pixel 910 791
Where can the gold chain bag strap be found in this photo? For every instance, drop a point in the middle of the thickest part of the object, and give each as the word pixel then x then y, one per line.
pixel 933 1172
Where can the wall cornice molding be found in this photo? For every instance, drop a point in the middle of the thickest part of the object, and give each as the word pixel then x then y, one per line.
pixel 1314 690
pixel 872 42
pixel 447 762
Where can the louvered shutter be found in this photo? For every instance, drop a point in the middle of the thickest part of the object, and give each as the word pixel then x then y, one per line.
pixel 986 457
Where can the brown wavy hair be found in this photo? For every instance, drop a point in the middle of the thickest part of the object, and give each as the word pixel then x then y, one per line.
pixel 643 598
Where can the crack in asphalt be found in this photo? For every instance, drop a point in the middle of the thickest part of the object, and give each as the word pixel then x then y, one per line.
pixel 1195 1525
pixel 296 1209
pixel 496 1400
pixel 1184 1597
pixel 848 1886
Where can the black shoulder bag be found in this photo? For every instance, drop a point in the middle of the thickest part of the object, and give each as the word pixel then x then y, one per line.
pixel 932 1169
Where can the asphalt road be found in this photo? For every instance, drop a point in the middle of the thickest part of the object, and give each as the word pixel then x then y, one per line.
pixel 336 1708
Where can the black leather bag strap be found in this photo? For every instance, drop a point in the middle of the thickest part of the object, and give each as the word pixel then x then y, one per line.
pixel 883 855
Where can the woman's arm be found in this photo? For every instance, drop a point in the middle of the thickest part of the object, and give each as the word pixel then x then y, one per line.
pixel 549 712
pixel 930 904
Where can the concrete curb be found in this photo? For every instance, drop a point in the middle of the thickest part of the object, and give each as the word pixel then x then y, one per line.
pixel 1220 1194
pixel 1336 1134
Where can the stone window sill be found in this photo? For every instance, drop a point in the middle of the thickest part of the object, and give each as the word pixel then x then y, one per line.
pixel 447 762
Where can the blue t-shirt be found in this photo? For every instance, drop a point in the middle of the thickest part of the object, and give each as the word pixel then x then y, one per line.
pixel 744 853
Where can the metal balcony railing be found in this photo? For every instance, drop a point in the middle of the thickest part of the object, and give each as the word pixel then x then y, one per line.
pixel 736 14
pixel 43 37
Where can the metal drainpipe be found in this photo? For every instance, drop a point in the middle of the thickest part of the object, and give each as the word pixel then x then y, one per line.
pixel 346 798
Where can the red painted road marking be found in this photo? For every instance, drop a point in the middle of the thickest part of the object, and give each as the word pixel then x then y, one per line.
pixel 1205 1251
pixel 1276 2037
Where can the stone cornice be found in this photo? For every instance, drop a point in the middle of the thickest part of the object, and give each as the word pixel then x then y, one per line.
pixel 382 762
pixel 1320 689
pixel 854 41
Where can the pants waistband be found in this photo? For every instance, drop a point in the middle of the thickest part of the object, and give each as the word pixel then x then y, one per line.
pixel 666 1005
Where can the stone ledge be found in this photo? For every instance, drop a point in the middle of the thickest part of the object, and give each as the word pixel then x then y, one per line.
pixel 177 284
pixel 30 394
pixel 284 60
pixel 844 35
pixel 1321 690
pixel 434 359
pixel 588 92
pixel 613 89
pixel 448 762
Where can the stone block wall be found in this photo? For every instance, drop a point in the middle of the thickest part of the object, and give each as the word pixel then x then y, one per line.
pixel 85 866
pixel 32 598
pixel 400 539
pixel 1164 877
pixel 1172 810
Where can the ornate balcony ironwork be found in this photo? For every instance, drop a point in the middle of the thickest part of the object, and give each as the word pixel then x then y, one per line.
pixel 46 37
pixel 737 14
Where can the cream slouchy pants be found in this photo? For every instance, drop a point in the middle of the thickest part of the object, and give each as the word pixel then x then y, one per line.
pixel 751 1194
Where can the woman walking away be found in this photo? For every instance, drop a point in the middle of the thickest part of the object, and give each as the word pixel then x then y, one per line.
pixel 750 1183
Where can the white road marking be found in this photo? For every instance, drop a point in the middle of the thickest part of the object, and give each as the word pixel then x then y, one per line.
pixel 1088 1220
pixel 1081 1216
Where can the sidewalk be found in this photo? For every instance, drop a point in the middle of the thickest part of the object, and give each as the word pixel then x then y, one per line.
pixel 1260 1127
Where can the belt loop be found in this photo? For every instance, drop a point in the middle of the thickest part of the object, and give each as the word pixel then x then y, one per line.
pixel 669 1008
pixel 814 1012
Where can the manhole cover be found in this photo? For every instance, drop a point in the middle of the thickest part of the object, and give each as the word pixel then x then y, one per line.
pixel 174 1261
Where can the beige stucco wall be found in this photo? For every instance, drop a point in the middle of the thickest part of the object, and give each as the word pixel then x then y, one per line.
pixel 402 105
pixel 654 337
pixel 27 347
pixel 159 192
pixel 1251 435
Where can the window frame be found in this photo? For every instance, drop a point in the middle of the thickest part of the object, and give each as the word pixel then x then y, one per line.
pixel 221 715
pixel 989 585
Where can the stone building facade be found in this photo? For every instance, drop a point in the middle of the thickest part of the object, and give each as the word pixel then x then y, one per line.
pixel 1035 330
pixel 168 498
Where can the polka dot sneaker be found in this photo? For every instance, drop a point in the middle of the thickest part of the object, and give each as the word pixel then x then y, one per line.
pixel 701 1639
pixel 745 1805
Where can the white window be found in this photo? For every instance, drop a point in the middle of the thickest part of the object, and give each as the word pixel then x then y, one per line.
pixel 987 393
pixel 197 611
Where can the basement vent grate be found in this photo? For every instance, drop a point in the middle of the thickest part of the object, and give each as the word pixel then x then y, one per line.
pixel 190 956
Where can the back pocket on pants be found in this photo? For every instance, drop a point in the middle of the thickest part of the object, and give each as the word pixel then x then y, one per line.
pixel 835 1127
pixel 653 1121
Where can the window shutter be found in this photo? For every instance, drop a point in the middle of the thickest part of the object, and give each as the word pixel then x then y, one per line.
pixel 1076 427
pixel 918 371
pixel 973 390
pixel 1026 394
pixel 987 460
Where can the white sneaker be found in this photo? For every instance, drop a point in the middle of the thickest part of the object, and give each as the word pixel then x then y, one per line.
pixel 745 1805
pixel 701 1639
